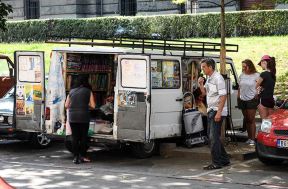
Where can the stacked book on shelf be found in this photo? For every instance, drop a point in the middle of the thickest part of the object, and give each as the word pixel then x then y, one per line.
pixel 88 63
pixel 98 82
pixel 74 62
pixel 95 63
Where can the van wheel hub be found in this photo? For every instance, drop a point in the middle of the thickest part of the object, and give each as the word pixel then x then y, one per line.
pixel 43 140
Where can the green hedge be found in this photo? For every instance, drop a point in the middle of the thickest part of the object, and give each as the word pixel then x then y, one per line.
pixel 248 23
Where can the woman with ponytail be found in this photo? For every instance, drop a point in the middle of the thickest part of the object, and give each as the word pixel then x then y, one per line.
pixel 265 86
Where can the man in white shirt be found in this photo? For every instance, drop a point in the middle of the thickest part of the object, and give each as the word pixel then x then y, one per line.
pixel 216 94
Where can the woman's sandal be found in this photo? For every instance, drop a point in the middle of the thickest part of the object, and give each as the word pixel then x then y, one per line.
pixel 212 167
pixel 85 160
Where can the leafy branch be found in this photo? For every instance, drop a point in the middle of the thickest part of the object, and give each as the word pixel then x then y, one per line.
pixel 5 9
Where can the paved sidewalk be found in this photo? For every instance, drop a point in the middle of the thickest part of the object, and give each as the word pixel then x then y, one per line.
pixel 238 151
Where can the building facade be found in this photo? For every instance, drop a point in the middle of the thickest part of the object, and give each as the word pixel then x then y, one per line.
pixel 44 9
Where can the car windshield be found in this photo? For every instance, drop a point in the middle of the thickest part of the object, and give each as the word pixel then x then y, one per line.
pixel 10 93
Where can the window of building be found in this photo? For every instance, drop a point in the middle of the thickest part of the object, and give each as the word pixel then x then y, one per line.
pixel 128 7
pixel 32 9
pixel 165 74
pixel 182 8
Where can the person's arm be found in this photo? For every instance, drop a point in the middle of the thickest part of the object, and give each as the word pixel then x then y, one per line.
pixel 221 86
pixel 258 82
pixel 238 93
pixel 201 86
pixel 221 105
pixel 67 102
pixel 92 103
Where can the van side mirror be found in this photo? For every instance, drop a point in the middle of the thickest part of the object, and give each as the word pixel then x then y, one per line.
pixel 11 72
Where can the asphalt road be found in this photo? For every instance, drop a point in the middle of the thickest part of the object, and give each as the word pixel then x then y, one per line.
pixel 27 168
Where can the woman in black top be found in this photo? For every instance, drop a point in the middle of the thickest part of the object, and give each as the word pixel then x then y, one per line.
pixel 78 102
pixel 265 86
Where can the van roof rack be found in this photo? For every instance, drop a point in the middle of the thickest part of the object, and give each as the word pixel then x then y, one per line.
pixel 145 44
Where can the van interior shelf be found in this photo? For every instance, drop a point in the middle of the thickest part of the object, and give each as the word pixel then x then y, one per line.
pixel 166 46
pixel 85 72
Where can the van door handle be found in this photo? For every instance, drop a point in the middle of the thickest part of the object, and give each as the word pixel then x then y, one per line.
pixel 179 99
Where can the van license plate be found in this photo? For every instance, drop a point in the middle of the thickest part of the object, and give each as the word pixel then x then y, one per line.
pixel 282 143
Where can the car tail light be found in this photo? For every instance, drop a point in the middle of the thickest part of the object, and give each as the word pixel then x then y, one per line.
pixel 47 113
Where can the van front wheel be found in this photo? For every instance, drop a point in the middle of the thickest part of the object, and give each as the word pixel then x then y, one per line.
pixel 144 150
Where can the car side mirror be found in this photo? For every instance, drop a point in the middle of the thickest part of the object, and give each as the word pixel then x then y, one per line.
pixel 11 72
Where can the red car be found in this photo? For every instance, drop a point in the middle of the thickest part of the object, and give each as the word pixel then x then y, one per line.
pixel 272 138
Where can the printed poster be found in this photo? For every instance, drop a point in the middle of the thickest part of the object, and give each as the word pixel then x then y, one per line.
pixel 156 79
pixel 30 68
pixel 20 100
pixel 133 73
pixel 37 92
pixel 29 103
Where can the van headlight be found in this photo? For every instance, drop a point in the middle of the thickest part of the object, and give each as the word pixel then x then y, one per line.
pixel 10 120
pixel 266 125
pixel 1 119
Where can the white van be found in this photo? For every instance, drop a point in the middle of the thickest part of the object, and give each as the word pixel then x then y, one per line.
pixel 147 86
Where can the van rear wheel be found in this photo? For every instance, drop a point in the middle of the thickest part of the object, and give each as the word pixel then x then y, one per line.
pixel 144 150
pixel 40 140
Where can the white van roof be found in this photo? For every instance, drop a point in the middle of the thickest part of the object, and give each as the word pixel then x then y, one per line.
pixel 116 50
pixel 85 49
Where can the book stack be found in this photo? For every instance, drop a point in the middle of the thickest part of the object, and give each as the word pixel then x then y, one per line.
pixel 98 81
pixel 95 63
pixel 73 62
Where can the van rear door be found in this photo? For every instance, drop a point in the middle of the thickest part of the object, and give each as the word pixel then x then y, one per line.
pixel 30 90
pixel 132 97
pixel 167 97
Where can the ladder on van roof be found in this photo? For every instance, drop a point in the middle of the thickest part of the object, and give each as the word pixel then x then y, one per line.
pixel 146 44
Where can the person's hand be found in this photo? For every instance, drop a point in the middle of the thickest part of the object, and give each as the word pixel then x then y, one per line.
pixel 217 117
pixel 201 81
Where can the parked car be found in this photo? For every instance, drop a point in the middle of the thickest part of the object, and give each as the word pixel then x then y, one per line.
pixel 272 138
pixel 7 124
pixel 6 111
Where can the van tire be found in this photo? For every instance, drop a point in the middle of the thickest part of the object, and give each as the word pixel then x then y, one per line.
pixel 144 150
pixel 40 140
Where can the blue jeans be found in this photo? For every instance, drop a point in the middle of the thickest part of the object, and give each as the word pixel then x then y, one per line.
pixel 218 152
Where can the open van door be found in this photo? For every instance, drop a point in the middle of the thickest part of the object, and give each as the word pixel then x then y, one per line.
pixel 30 91
pixel 167 97
pixel 132 94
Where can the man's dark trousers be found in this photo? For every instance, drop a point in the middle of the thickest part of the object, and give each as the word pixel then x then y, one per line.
pixel 218 152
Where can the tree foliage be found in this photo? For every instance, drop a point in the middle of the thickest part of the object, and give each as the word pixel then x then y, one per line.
pixel 178 1
pixel 5 9
pixel 281 1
